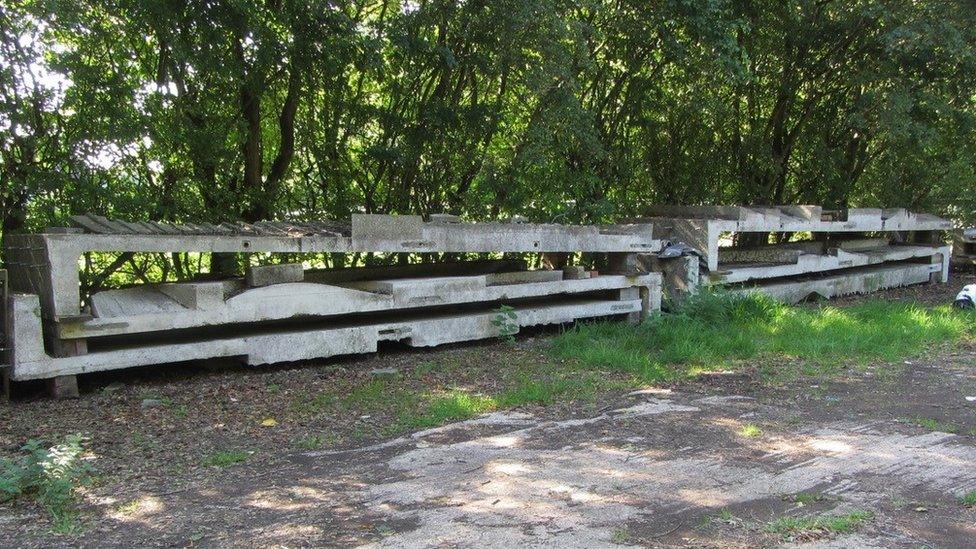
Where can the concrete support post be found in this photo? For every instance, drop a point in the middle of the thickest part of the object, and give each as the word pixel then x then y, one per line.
pixel 63 387
pixel 622 263
pixel 632 294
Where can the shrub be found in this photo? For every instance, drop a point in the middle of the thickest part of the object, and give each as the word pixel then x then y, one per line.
pixel 49 476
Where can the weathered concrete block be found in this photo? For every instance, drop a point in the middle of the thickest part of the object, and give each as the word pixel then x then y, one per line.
pixel 523 277
pixel 575 272
pixel 196 295
pixel 266 275
pixel 680 276
pixel 395 227
pixel 623 263
pixel 425 291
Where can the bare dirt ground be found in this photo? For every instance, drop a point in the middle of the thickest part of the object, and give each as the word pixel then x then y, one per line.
pixel 716 462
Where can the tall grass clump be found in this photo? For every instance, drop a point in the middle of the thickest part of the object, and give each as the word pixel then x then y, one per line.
pixel 714 327
pixel 49 476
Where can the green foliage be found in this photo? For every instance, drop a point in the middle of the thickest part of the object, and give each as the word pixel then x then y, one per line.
pixel 225 458
pixel 505 320
pixel 712 328
pixel 750 431
pixel 453 406
pixel 584 111
pixel 969 499
pixel 840 524
pixel 49 476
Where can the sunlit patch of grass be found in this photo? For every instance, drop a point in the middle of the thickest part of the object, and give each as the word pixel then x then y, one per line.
pixel 129 507
pixel 838 524
pixel 751 431
pixel 713 329
pixel 453 406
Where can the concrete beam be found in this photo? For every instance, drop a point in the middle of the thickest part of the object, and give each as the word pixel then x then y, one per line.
pixel 284 301
pixel 31 362
pixel 257 276
pixel 863 281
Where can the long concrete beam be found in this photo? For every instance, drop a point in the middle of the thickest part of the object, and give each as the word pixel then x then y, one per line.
pixel 47 264
pixel 839 259
pixel 31 361
pixel 862 281
pixel 153 308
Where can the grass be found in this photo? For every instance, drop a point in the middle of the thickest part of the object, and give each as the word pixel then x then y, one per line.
pixel 620 536
pixel 453 406
pixel 835 524
pixel 713 328
pixel 128 508
pixel 932 424
pixel 225 458
pixel 311 442
pixel 969 499
pixel 750 431
pixel 50 477
pixel 807 498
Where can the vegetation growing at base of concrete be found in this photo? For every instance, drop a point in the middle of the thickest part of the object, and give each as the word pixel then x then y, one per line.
pixel 49 476
pixel 713 328
pixel 506 320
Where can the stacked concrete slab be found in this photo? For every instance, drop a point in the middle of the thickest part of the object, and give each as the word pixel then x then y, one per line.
pixel 826 253
pixel 964 247
pixel 280 313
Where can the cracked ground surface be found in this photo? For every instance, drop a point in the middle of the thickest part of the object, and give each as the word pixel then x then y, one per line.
pixel 715 462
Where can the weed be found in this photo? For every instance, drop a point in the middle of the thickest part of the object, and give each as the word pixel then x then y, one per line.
pixel 839 524
pixel 225 458
pixel 163 400
pixel 529 390
pixel 620 536
pixel 180 412
pixel 969 499
pixel 367 395
pixel 426 368
pixel 49 476
pixel 128 508
pixel 506 321
pixel 932 424
pixel 311 442
pixel 750 430
pixel 453 406
pixel 807 498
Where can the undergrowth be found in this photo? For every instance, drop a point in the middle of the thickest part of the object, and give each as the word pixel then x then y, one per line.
pixel 712 328
pixel 836 524
pixel 49 476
